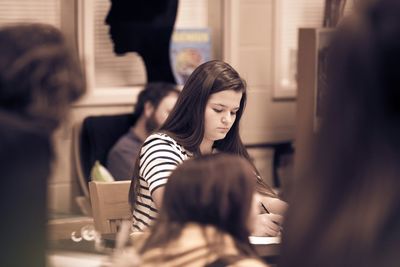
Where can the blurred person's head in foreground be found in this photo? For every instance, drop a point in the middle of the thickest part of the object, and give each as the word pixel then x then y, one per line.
pixel 345 211
pixel 39 76
pixel 216 190
pixel 39 79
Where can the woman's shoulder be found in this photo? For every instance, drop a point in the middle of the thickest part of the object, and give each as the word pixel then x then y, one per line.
pixel 160 136
pixel 163 138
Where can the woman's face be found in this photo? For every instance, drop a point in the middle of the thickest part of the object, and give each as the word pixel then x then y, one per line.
pixel 220 114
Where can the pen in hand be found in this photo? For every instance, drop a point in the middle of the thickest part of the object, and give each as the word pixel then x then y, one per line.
pixel 267 211
pixel 265 208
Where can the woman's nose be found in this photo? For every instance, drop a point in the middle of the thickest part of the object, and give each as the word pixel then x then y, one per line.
pixel 226 118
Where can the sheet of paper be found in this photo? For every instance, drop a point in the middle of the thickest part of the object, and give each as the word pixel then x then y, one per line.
pixel 66 259
pixel 264 240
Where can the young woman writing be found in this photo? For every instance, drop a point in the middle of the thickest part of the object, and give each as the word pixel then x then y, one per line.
pixel 204 120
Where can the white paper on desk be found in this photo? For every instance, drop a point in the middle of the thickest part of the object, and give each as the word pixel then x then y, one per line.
pixel 70 259
pixel 264 240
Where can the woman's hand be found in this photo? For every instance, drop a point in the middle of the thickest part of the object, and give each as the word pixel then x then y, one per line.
pixel 274 205
pixel 267 224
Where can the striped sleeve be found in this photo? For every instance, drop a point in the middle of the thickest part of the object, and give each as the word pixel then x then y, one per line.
pixel 158 158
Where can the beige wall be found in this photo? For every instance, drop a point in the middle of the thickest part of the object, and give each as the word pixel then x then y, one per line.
pixel 249 46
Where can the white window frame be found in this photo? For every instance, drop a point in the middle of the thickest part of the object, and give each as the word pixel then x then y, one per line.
pixel 280 91
pixel 289 90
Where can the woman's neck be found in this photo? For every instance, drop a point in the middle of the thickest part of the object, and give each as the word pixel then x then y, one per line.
pixel 206 146
pixel 139 129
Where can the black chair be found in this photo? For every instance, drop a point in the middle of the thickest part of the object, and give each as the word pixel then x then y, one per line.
pixel 280 151
pixel 94 139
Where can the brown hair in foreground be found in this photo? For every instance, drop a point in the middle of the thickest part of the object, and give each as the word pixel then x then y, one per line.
pixel 345 211
pixel 39 76
pixel 212 190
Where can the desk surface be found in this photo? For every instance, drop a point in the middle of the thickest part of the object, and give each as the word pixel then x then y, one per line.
pixel 74 259
pixel 264 246
pixel 67 253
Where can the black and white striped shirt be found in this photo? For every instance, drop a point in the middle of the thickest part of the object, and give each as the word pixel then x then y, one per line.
pixel 159 156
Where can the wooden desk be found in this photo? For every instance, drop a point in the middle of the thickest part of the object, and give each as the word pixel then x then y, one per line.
pixel 66 253
pixel 268 248
pixel 271 250
pixel 74 259
pixel 61 226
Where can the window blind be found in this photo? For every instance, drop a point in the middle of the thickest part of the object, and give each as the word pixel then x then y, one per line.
pixel 192 14
pixel 292 15
pixel 43 11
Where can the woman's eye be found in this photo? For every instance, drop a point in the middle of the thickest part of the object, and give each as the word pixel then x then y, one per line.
pixel 233 113
pixel 217 110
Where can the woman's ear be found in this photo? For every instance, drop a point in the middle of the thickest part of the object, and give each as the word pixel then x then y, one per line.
pixel 148 109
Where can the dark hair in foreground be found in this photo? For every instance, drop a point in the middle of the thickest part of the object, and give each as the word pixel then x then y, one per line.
pixel 38 81
pixel 345 211
pixel 185 123
pixel 154 93
pixel 39 76
pixel 212 190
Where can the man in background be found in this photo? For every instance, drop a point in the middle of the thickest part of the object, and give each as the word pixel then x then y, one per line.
pixel 153 106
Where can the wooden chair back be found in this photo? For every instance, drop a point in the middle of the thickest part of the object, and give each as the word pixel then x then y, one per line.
pixel 110 204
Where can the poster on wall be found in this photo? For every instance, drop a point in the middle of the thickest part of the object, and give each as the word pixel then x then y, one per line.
pixel 189 49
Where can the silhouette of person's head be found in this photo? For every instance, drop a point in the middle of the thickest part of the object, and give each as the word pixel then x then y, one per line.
pixel 145 27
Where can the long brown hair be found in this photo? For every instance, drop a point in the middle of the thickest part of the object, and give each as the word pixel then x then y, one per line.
pixel 215 189
pixel 185 123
